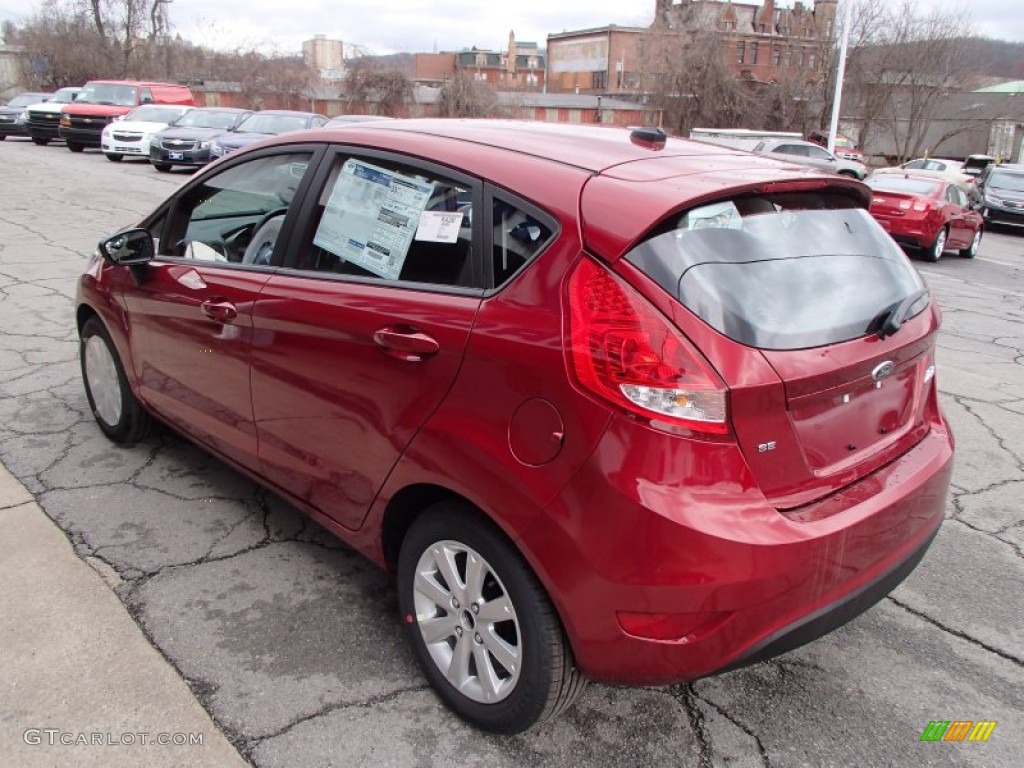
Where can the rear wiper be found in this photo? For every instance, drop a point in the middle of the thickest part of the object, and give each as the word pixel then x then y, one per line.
pixel 897 313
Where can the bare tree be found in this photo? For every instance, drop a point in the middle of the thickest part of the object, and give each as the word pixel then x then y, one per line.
pixel 689 79
pixel 377 91
pixel 462 96
pixel 902 69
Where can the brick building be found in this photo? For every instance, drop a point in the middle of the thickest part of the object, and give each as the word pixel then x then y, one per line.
pixel 521 67
pixel 759 42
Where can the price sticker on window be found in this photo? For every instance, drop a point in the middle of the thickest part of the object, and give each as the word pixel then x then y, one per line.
pixel 439 226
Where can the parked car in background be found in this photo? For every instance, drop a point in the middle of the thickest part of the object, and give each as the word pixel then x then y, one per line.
pixel 1002 190
pixel 340 120
pixel 845 147
pixel 42 120
pixel 610 405
pixel 930 214
pixel 974 164
pixel 188 139
pixel 941 170
pixel 12 114
pixel 82 122
pixel 131 134
pixel 810 154
pixel 260 125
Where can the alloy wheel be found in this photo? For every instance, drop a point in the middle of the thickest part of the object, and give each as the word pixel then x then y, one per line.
pixel 102 379
pixel 467 621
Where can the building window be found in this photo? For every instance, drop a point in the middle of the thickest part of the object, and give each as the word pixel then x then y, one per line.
pixel 801 63
pixel 729 26
pixel 740 52
pixel 811 60
pixel 480 77
pixel 787 57
pixel 531 78
pixel 600 80
pixel 481 59
pixel 829 28
pixel 752 54
pixel 532 62
pixel 776 56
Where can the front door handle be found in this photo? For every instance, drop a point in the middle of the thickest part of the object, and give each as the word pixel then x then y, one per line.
pixel 221 311
pixel 405 343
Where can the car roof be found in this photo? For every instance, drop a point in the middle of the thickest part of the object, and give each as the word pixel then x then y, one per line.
pixel 221 109
pixel 799 142
pixel 288 112
pixel 592 148
pixel 565 167
pixel 1011 167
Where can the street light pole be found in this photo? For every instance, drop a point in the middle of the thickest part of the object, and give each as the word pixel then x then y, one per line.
pixel 840 74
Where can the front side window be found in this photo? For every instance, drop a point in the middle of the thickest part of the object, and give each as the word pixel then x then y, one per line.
pixel 382 220
pixel 817 153
pixel 234 216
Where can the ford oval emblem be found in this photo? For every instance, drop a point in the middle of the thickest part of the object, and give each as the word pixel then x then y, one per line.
pixel 883 370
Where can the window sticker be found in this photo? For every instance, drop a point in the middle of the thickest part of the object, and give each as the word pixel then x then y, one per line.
pixel 439 226
pixel 372 217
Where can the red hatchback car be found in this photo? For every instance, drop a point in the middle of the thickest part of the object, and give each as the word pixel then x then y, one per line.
pixel 612 406
pixel 931 214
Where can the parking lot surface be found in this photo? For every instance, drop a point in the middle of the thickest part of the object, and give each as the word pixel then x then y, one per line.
pixel 292 642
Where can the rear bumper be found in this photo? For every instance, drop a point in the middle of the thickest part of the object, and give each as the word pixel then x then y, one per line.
pixel 697 545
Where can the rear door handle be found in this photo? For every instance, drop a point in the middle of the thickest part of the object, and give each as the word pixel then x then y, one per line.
pixel 405 343
pixel 221 311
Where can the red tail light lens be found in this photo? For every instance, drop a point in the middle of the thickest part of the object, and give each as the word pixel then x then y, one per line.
pixel 626 352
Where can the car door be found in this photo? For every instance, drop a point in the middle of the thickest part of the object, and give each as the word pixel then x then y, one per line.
pixel 359 338
pixel 961 225
pixel 190 309
pixel 822 158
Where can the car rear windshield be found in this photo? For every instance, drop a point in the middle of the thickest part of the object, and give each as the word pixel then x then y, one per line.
pixel 903 184
pixel 784 271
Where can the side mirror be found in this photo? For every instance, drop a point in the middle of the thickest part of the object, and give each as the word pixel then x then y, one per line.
pixel 132 246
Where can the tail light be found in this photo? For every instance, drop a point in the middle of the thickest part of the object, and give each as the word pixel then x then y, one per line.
pixel 626 352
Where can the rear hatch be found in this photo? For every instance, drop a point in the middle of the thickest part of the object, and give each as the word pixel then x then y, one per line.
pixel 815 320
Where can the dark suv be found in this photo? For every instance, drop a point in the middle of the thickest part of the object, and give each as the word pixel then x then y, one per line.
pixel 1002 189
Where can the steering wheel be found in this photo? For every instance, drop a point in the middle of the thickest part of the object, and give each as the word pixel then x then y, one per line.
pixel 264 234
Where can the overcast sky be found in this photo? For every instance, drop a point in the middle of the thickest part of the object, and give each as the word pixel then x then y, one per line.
pixel 388 26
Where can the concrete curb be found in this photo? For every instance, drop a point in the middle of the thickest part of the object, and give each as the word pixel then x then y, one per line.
pixel 81 684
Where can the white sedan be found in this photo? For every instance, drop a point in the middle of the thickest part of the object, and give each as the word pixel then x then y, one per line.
pixel 130 135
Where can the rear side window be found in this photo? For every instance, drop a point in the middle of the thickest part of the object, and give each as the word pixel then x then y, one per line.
pixel 786 271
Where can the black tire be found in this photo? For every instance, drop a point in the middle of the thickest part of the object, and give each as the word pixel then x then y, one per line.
pixel 848 174
pixel 2 137
pixel 972 250
pixel 162 167
pixel 115 158
pixel 548 682
pixel 74 147
pixel 130 423
pixel 934 252
pixel 40 142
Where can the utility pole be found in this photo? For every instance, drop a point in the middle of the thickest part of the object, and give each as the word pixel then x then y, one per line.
pixel 840 74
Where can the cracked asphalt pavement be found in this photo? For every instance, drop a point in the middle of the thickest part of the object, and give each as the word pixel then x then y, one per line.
pixel 291 641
